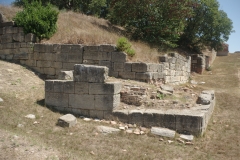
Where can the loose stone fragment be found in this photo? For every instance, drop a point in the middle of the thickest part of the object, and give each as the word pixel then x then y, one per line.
pixel 30 116
pixel 163 132
pixel 106 130
pixel 187 137
pixel 67 120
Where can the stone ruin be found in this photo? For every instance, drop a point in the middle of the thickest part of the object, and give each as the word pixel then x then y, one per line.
pixel 90 93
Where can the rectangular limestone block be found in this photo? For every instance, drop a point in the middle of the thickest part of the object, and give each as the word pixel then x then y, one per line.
pixel 57 65
pixel 30 37
pixel 107 48
pixel 90 73
pixel 48 48
pixel 127 67
pixel 144 76
pixel 91 48
pixel 90 55
pixel 169 120
pixel 56 99
pixel 119 57
pixel 96 114
pixel 153 117
pixel 193 122
pixel 106 56
pixel 118 66
pixel 76 48
pixel 44 64
pixel 68 66
pixel 6 38
pixel 81 101
pixel 139 67
pixel 109 88
pixel 7 24
pixel 18 37
pixel 127 75
pixel 68 86
pixel 49 71
pixel 10 30
pixel 107 102
pixel 152 67
pixel 49 86
pixel 21 56
pixel 81 88
pixel 121 115
pixel 82 112
pixel 75 57
pixel 105 63
pixel 62 57
pixel 39 48
pixel 65 48
pixel 58 86
pixel 136 117
pixel 56 48
pixel 31 63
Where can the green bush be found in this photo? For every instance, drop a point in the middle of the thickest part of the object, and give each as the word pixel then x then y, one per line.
pixel 124 45
pixel 37 19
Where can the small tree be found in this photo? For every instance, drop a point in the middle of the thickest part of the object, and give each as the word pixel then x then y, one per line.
pixel 37 19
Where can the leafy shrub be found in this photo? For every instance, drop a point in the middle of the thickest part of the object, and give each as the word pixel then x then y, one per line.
pixel 37 19
pixel 124 45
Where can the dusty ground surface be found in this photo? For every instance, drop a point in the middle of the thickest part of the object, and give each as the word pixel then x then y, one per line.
pixel 40 138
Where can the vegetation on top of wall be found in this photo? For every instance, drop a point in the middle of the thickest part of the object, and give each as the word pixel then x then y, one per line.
pixel 37 19
pixel 124 45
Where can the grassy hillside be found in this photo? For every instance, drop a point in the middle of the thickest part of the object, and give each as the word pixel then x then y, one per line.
pixel 76 28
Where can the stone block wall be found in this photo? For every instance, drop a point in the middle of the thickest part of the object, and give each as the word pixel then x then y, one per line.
pixel 87 94
pixel 14 44
pixel 51 59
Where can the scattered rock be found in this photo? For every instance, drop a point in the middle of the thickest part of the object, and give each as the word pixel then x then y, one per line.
pixel 36 122
pixel 204 99
pixel 87 119
pixel 106 130
pixel 122 128
pixel 180 140
pixel 30 116
pixel 1 100
pixel 129 131
pixel 167 88
pixel 169 141
pixel 163 132
pixel 143 129
pixel 187 137
pixel 193 82
pixel 20 125
pixel 161 139
pixel 92 153
pixel 142 132
pixel 189 143
pixel 202 83
pixel 197 148
pixel 67 120
pixel 113 122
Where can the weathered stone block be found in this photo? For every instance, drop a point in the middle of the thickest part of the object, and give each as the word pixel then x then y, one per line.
pixel 65 48
pixel 204 99
pixel 105 88
pixel 169 120
pixel 139 67
pixel 49 86
pixel 163 132
pixel 152 117
pixel 136 117
pixel 105 63
pixel 106 56
pixel 31 63
pixel 6 38
pixel 49 48
pixel 68 66
pixel 58 86
pixel 82 112
pixel 106 102
pixel 56 48
pixel 56 99
pixel 67 120
pixel 81 101
pixel 49 71
pixel 152 67
pixel 10 30
pixel 96 114
pixel 144 76
pixel 30 37
pixel 91 48
pixel 127 75
pixel 128 67
pixel 90 73
pixel 81 87
pixel 18 37
pixel 57 65
pixel 65 75
pixel 118 66
pixel 39 48
pixel 119 57
pixel 62 57
pixel 77 49
pixel 90 55
pixel 163 58
pixel 75 57
pixel 5 24
pixel 44 63
pixel 68 87
pixel 20 56
pixel 107 48
pixel 122 115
